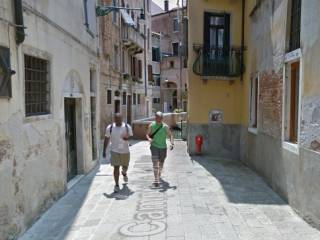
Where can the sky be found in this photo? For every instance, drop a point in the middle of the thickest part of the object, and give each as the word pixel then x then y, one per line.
pixel 172 3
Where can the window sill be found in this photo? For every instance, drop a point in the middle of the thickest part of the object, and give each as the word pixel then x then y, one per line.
pixel 292 147
pixel 38 118
pixel 253 130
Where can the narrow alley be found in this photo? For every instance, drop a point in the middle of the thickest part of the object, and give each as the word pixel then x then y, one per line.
pixel 199 198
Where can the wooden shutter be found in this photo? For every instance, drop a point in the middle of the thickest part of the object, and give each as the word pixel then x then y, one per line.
pixel 140 69
pixel 5 72
pixel 150 77
pixel 206 31
pixel 227 31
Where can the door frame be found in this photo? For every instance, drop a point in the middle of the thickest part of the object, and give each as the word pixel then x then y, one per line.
pixel 79 133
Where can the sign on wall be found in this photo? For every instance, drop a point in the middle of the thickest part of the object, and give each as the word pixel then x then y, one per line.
pixel 216 116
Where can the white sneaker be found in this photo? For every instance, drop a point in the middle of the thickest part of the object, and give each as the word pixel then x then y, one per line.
pixel 116 188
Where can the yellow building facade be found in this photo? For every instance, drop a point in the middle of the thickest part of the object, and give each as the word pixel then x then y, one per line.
pixel 217 74
pixel 254 91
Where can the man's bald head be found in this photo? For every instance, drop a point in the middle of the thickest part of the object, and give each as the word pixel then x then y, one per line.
pixel 118 119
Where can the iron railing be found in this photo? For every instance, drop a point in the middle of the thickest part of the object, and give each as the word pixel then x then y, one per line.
pixel 218 62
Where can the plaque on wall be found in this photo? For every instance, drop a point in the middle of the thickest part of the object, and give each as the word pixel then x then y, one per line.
pixel 215 116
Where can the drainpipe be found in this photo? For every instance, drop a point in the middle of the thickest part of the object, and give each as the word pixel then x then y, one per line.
pixel 18 16
pixel 242 39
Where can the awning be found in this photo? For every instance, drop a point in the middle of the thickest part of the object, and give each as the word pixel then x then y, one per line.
pixel 126 17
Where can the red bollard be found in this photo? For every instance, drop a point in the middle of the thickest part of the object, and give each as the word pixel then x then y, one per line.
pixel 199 141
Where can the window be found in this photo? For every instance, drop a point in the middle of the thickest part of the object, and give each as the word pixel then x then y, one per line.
pixel 292 90
pixel 90 16
pixel 134 99
pixel 109 97
pixel 171 64
pixel 156 100
pixel 140 68
pixel 37 87
pixel 5 72
pixel 139 100
pixel 175 49
pixel 216 33
pixel 175 25
pixel 124 98
pixel 134 66
pixel 295 26
pixel 254 91
pixel 116 58
pixel 156 54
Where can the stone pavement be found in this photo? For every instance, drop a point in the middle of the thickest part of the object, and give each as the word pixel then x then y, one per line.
pixel 200 198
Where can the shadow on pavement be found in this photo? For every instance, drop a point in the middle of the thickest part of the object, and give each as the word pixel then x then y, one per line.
pixel 240 184
pixel 165 186
pixel 124 193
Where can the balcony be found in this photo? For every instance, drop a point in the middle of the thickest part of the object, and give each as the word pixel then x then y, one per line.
pixel 132 39
pixel 218 63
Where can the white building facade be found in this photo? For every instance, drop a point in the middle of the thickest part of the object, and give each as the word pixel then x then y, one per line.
pixel 49 107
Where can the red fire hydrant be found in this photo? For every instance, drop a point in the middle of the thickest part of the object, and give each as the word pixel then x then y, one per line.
pixel 199 141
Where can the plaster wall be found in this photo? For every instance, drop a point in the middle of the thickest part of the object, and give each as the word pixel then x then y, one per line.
pixel 33 168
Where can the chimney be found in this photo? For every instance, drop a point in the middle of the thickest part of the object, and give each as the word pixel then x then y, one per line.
pixel 166 5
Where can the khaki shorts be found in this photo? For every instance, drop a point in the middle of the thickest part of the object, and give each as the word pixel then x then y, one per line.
pixel 120 159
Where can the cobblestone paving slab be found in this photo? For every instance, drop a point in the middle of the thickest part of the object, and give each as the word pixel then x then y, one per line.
pixel 199 198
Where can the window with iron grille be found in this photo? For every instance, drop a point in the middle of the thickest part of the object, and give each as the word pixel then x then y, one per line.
pixel 37 86
pixel 109 97
pixel 295 26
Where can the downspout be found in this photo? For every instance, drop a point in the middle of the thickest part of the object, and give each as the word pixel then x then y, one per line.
pixel 145 52
pixel 18 16
pixel 242 39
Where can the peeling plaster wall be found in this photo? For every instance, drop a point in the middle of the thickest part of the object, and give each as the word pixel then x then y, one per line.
pixel 295 176
pixel 33 166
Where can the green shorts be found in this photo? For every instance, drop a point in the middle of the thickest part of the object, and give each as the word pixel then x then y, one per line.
pixel 120 159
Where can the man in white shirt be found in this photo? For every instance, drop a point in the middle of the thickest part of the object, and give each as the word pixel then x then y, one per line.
pixel 118 133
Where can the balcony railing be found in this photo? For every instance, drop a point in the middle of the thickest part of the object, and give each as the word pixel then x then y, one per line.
pixel 132 39
pixel 218 62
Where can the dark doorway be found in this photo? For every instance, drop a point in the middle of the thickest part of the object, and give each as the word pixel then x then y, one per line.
pixel 129 110
pixel 71 136
pixel 116 106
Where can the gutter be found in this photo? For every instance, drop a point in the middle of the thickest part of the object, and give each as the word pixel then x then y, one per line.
pixel 242 39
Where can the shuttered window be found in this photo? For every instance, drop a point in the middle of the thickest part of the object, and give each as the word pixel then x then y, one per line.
pixel 140 68
pixel 150 76
pixel 5 72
